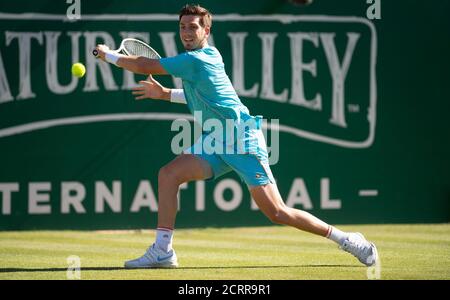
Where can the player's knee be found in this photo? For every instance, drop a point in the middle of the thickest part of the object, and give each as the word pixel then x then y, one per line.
pixel 167 177
pixel 278 216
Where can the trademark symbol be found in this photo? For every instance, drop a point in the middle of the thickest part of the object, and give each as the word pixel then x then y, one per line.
pixel 353 108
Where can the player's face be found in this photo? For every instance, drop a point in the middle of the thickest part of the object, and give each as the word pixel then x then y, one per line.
pixel 192 34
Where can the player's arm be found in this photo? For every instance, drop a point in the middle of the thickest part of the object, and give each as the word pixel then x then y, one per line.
pixel 152 89
pixel 141 65
pixel 135 64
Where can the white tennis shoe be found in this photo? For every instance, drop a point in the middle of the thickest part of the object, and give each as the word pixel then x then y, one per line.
pixel 154 258
pixel 365 251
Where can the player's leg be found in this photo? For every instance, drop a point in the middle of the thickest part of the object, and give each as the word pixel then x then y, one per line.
pixel 192 165
pixel 184 168
pixel 269 201
pixel 255 170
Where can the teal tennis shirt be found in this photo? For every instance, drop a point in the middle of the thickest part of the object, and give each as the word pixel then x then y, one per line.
pixel 206 86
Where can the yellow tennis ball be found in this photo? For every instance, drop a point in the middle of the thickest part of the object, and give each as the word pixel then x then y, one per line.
pixel 78 69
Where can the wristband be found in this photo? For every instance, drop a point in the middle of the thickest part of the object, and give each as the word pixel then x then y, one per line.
pixel 177 96
pixel 112 57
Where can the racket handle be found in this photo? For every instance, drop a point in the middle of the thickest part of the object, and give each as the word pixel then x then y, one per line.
pixel 95 52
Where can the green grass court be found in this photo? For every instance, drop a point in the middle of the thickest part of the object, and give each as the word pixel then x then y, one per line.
pixel 406 251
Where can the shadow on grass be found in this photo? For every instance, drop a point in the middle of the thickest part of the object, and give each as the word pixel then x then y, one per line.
pixel 17 270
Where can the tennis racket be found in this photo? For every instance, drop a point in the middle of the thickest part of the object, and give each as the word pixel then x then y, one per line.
pixel 134 47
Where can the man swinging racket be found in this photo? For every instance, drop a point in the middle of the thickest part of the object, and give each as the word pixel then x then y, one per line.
pixel 207 88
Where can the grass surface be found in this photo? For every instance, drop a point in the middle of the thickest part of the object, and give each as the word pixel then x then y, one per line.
pixel 406 252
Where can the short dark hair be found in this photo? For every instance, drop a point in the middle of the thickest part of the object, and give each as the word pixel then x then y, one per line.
pixel 197 10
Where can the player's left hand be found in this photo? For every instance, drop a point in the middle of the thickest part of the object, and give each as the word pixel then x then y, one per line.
pixel 151 89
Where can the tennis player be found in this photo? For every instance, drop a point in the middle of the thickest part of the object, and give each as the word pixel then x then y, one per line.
pixel 207 88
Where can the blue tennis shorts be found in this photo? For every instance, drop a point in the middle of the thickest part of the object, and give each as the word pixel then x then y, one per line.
pixel 252 164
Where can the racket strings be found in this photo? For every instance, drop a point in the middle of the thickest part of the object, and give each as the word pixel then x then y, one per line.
pixel 139 49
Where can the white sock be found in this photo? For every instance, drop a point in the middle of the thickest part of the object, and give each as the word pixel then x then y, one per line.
pixel 337 235
pixel 164 238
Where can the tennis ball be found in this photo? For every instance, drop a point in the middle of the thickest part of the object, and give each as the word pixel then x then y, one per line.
pixel 78 69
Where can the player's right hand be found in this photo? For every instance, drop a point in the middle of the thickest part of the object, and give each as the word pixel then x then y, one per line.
pixel 101 49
